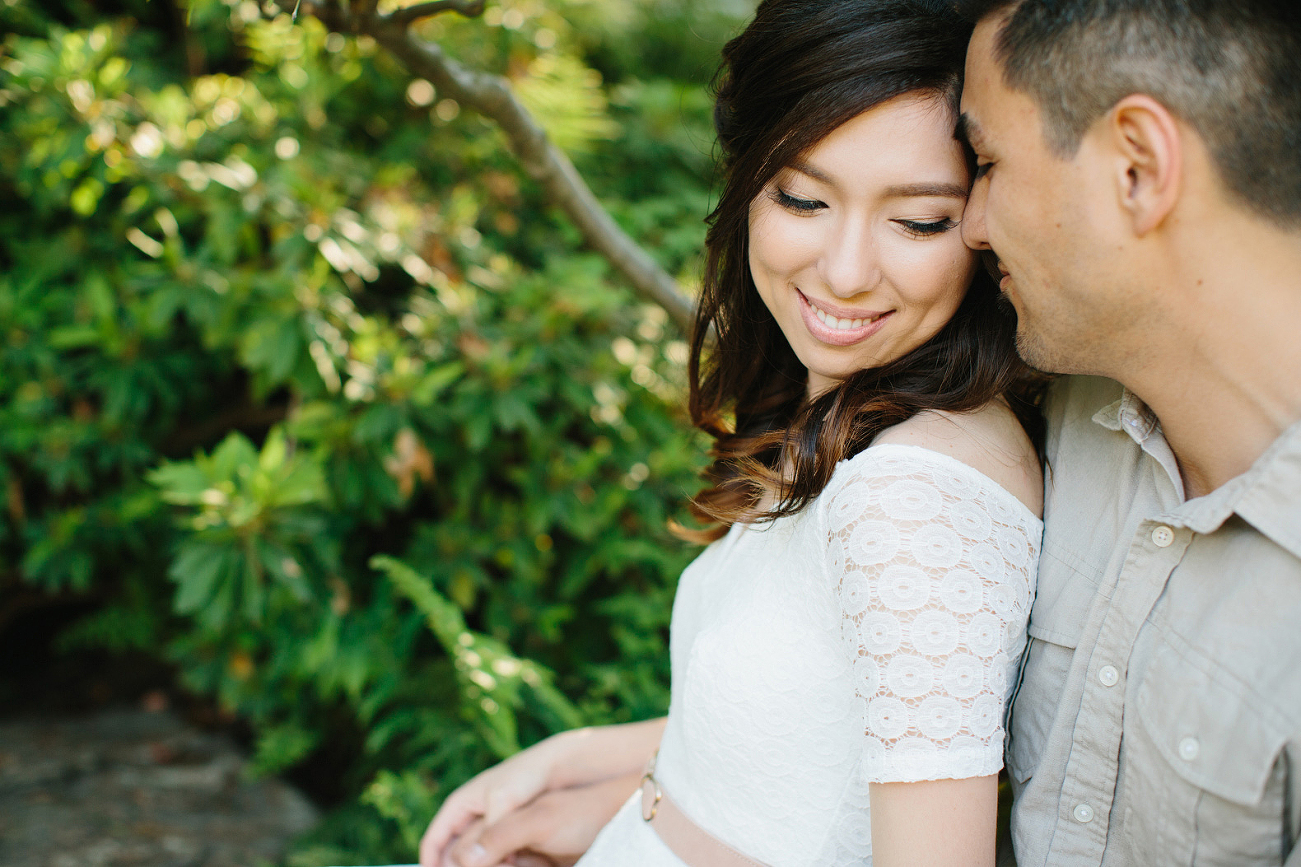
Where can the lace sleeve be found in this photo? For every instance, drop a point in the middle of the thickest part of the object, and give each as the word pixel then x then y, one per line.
pixel 934 564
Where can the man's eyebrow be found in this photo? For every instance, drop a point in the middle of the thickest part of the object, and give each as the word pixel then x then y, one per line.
pixel 969 132
pixel 939 190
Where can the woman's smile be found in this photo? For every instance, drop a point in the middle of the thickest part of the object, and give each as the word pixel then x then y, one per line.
pixel 836 325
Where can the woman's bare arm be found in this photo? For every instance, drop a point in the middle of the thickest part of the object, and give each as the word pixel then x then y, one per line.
pixel 939 823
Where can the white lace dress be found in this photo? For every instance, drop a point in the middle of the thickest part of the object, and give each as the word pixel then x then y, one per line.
pixel 872 637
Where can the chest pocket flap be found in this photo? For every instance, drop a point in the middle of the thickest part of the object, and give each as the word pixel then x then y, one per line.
pixel 1209 726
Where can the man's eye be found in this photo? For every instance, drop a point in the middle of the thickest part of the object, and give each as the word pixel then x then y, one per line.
pixel 982 169
pixel 791 203
pixel 924 229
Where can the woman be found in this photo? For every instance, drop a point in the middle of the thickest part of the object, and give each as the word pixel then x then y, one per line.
pixel 844 647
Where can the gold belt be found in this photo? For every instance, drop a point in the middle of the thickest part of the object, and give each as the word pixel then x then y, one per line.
pixel 693 845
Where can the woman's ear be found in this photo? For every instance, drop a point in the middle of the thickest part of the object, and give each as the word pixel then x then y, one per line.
pixel 1147 144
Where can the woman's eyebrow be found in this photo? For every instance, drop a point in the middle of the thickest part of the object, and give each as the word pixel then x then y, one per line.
pixel 940 190
pixel 813 172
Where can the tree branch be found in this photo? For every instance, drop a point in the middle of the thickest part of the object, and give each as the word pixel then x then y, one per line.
pixel 409 14
pixel 491 96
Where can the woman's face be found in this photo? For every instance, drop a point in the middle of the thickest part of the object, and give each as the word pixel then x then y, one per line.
pixel 855 248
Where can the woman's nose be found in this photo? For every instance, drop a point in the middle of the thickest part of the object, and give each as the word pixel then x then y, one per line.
pixel 850 265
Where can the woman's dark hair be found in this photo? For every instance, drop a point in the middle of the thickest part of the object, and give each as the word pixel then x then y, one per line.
pixel 798 71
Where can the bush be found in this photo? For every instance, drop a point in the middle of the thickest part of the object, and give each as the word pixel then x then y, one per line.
pixel 304 383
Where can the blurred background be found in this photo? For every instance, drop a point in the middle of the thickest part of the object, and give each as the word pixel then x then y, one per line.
pixel 321 429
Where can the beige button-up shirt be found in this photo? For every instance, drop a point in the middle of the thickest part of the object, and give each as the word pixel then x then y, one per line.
pixel 1158 716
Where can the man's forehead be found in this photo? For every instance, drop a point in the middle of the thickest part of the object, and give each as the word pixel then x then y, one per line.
pixel 983 74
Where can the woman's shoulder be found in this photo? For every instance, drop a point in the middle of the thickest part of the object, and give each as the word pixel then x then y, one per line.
pixel 989 440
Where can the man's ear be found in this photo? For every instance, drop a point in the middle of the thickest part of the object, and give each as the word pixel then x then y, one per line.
pixel 1148 147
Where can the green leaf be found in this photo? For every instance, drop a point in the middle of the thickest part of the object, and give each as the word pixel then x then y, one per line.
pixel 73 337
pixel 282 746
pixel 181 483
pixel 491 677
pixel 436 381
pixel 272 347
pixel 232 459
pixel 197 570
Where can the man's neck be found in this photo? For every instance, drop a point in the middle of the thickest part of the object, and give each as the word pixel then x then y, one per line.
pixel 1229 381
pixel 1216 428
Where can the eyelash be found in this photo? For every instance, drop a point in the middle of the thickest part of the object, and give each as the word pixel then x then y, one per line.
pixel 799 206
pixel 982 169
pixel 926 230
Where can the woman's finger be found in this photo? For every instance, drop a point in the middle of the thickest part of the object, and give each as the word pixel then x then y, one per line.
pixel 525 830
pixel 452 819
pixel 513 791
pixel 531 859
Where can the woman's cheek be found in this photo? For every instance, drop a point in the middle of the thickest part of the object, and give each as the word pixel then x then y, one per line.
pixel 952 267
pixel 774 242
pixel 965 263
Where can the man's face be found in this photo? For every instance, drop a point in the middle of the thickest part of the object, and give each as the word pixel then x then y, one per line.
pixel 1038 213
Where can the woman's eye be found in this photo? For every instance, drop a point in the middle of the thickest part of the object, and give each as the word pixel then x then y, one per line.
pixel 791 203
pixel 925 229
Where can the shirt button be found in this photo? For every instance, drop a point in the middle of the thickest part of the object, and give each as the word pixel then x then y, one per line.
pixel 1189 749
pixel 1083 813
pixel 1162 537
pixel 1108 675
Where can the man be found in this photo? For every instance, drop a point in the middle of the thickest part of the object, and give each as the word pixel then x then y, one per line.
pixel 1140 184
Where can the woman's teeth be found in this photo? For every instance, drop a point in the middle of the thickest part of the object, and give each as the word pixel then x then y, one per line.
pixel 839 324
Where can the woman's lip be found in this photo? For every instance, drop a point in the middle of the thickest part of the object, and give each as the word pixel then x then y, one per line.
pixel 835 336
pixel 842 312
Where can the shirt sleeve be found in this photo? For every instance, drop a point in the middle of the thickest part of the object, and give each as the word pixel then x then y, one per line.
pixel 934 564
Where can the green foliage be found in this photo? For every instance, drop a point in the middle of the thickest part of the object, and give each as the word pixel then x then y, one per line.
pixel 304 383
pixel 488 675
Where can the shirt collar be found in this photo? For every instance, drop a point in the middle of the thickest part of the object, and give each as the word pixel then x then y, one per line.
pixel 1268 495
pixel 1140 424
pixel 1130 415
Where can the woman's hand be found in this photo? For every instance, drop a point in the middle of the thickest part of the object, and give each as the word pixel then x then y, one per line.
pixel 552 830
pixel 489 796
pixel 567 760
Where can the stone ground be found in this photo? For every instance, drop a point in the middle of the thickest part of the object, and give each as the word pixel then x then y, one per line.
pixel 121 788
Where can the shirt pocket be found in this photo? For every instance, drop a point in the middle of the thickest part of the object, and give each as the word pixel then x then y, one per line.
pixel 1064 595
pixel 1201 770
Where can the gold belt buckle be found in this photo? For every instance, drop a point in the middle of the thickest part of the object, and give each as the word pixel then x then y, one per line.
pixel 650 788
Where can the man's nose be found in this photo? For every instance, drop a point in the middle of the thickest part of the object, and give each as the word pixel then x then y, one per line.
pixel 973 218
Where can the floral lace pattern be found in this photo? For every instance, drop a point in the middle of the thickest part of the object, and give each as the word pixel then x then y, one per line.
pixel 935 579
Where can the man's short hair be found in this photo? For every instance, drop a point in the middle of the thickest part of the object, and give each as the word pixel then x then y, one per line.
pixel 1231 69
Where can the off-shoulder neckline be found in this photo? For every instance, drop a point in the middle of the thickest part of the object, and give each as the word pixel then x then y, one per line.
pixel 952 461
